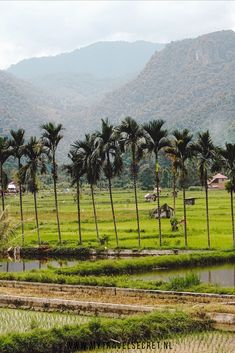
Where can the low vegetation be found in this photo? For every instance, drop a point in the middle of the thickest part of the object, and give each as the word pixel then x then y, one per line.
pixel 209 342
pixel 69 339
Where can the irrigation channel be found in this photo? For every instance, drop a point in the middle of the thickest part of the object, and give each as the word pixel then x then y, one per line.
pixel 223 275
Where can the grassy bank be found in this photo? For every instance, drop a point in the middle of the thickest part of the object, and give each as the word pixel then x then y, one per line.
pixel 189 283
pixel 69 339
pixel 137 265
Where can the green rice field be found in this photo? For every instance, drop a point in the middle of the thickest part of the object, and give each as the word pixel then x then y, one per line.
pixel 17 321
pixel 220 219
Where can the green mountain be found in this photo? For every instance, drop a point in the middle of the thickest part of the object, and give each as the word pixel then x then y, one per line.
pixel 190 83
pixel 23 105
pixel 83 76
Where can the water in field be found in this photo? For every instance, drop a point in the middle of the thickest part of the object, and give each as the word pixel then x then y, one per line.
pixel 223 275
pixel 26 265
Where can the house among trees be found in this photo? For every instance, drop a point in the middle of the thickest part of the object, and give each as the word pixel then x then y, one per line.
pixel 12 188
pixel 218 181
pixel 165 212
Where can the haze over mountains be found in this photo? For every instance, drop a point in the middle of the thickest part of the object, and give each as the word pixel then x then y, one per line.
pixel 188 83
pixel 84 76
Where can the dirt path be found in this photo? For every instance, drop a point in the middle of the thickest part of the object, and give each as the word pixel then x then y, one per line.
pixel 101 295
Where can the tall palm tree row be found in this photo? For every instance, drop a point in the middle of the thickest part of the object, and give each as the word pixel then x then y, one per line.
pixel 51 137
pixel 101 153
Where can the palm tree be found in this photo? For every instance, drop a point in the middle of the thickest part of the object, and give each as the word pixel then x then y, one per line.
pixel 227 156
pixel 17 143
pixel 91 165
pixel 51 137
pixel 109 151
pixel 181 151
pixel 75 170
pixel 4 154
pixel 131 137
pixel 35 163
pixel 204 150
pixel 156 140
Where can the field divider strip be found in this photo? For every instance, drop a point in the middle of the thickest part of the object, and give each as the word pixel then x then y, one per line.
pixel 81 307
pixel 114 290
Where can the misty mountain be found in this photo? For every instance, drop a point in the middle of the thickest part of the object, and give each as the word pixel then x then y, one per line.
pixel 83 76
pixel 102 59
pixel 190 83
pixel 22 105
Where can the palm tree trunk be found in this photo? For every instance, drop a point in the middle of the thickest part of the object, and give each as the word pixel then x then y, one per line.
pixel 21 207
pixel 56 199
pixel 112 207
pixel 158 203
pixel 36 215
pixel 207 214
pixel 95 216
pixel 2 187
pixel 185 220
pixel 174 192
pixel 136 205
pixel 232 216
pixel 79 214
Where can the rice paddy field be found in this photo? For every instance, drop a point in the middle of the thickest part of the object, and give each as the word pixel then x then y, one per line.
pixel 208 342
pixel 220 219
pixel 19 321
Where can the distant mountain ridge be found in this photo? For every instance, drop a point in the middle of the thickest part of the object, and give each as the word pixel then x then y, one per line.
pixel 101 59
pixel 83 77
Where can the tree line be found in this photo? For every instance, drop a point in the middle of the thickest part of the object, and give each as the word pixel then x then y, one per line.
pixel 101 153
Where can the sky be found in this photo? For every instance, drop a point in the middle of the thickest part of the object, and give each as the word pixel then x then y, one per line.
pixel 41 28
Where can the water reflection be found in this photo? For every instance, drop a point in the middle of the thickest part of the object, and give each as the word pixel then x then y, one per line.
pixel 223 275
pixel 20 265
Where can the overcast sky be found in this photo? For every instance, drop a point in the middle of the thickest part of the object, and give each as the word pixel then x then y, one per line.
pixel 37 28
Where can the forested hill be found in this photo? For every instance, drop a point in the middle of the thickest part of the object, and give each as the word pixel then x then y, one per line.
pixel 83 77
pixel 22 105
pixel 190 83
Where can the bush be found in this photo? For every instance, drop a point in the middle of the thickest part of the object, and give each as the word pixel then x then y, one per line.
pixel 180 283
